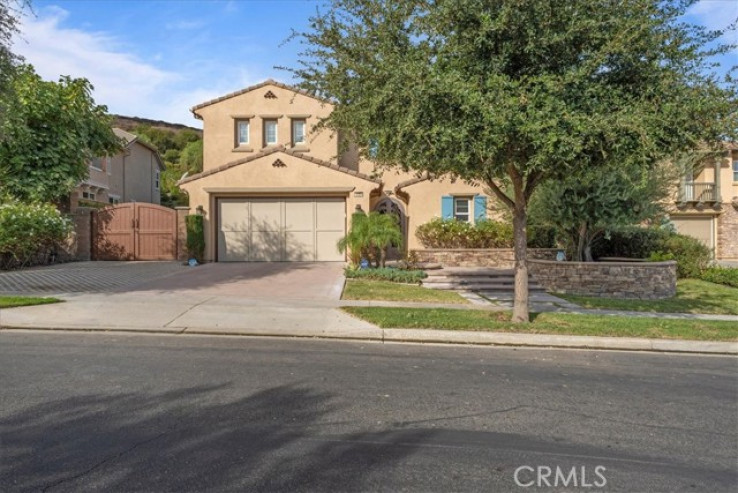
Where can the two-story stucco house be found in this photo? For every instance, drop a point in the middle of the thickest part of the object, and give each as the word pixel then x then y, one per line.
pixel 132 175
pixel 274 189
pixel 706 205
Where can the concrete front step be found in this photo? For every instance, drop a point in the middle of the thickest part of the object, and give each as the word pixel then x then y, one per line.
pixel 478 286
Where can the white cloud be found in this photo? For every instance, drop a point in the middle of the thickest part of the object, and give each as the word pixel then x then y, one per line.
pixel 717 15
pixel 122 81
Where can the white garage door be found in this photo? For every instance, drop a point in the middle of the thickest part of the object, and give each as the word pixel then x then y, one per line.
pixel 273 230
pixel 696 227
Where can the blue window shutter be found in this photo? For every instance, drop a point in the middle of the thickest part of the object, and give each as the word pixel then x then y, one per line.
pixel 480 208
pixel 447 207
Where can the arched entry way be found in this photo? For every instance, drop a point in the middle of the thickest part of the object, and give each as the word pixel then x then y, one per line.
pixel 389 205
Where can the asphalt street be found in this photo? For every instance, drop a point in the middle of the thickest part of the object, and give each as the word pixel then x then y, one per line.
pixel 106 412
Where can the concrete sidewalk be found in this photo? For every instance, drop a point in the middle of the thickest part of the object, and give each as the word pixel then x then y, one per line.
pixel 177 314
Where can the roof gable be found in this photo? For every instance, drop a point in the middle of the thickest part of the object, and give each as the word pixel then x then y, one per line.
pixel 269 94
pixel 278 163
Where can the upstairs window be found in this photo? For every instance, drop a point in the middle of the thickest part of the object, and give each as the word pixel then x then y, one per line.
pixel 156 182
pixel 270 132
pixel 735 170
pixel 298 132
pixel 242 133
pixel 98 164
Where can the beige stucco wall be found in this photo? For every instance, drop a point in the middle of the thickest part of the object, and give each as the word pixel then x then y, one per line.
pixel 298 177
pixel 219 125
pixel 424 203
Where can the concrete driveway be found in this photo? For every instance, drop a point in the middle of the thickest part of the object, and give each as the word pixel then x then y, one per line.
pixel 262 298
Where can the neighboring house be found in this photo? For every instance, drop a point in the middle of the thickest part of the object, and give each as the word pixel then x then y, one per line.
pixel 274 189
pixel 132 175
pixel 706 205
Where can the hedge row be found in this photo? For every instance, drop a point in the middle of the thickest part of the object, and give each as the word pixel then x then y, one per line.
pixel 387 274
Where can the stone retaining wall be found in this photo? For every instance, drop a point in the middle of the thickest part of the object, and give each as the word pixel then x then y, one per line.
pixel 501 258
pixel 625 280
pixel 727 232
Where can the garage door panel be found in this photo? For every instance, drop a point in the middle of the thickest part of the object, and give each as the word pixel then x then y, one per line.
pixel 233 215
pixel 696 227
pixel 266 246
pixel 327 250
pixel 272 230
pixel 331 215
pixel 233 246
pixel 299 246
pixel 299 215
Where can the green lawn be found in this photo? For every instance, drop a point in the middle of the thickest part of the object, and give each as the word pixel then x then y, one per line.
pixel 693 296
pixel 13 301
pixel 547 323
pixel 361 289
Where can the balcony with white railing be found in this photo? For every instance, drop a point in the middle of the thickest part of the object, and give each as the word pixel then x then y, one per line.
pixel 699 192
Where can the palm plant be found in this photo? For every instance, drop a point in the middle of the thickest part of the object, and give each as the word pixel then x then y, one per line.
pixel 370 236
pixel 357 240
pixel 384 231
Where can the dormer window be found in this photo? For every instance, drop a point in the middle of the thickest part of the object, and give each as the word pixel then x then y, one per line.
pixel 270 132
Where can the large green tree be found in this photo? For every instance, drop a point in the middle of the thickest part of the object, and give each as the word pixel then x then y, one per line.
pixel 52 131
pixel 587 206
pixel 514 93
pixel 10 11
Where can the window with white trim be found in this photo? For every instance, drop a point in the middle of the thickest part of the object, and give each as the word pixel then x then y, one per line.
pixel 462 209
pixel 98 163
pixel 735 170
pixel 156 182
pixel 270 132
pixel 88 195
pixel 298 132
pixel 242 132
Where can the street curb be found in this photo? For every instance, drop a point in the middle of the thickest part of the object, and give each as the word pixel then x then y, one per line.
pixel 432 336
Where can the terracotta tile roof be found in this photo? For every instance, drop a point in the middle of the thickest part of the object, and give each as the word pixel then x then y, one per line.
pixel 268 82
pixel 273 150
pixel 407 183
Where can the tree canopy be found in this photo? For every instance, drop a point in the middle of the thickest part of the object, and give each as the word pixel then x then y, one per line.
pixel 52 131
pixel 513 94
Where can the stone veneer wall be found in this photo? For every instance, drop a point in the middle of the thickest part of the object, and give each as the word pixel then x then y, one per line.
pixel 626 280
pixel 727 232
pixel 501 258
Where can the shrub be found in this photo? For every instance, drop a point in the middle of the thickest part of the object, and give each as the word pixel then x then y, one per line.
pixel 30 232
pixel 450 233
pixel 692 256
pixel 387 274
pixel 195 237
pixel 660 257
pixel 721 275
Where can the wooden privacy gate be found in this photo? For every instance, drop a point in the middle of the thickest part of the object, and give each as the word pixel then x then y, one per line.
pixel 134 231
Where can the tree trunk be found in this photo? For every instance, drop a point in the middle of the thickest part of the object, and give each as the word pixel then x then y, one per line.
pixel 520 306
pixel 383 256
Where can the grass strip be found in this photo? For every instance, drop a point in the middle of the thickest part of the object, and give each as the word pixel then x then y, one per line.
pixel 15 301
pixel 361 289
pixel 548 323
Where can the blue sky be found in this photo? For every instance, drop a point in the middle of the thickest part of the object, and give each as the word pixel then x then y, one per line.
pixel 157 58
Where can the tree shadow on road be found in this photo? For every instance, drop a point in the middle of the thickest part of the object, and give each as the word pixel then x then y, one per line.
pixel 190 439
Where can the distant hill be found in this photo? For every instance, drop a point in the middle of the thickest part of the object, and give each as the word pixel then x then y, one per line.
pixel 128 123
